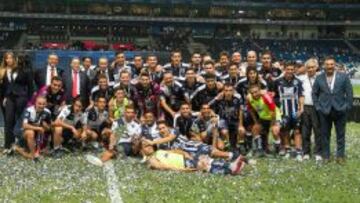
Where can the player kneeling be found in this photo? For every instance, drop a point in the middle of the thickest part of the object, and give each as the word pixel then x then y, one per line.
pixel 68 125
pixel 35 124
pixel 96 119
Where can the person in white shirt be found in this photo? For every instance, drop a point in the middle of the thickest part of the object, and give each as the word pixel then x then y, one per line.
pixel 126 130
pixel 310 118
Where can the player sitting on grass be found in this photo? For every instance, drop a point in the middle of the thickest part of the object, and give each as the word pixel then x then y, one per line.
pixel 68 125
pixel 95 120
pixel 179 160
pixel 35 124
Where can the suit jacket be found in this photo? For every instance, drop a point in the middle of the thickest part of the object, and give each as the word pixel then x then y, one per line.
pixel 109 73
pixel 22 86
pixel 40 76
pixel 84 86
pixel 341 98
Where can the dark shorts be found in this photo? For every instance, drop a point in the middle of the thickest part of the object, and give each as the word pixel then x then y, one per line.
pixel 127 148
pixel 288 123
pixel 265 127
pixel 248 121
pixel 220 166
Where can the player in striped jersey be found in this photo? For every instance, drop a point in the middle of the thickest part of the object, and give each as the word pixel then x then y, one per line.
pixel 289 96
pixel 35 125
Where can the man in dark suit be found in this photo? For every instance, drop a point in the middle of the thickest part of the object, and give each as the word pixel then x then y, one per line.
pixel 43 76
pixel 332 96
pixel 76 83
pixel 103 69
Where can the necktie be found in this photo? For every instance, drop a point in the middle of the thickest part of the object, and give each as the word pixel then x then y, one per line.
pixel 75 84
pixel 52 73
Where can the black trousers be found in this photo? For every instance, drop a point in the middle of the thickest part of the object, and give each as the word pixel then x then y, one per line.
pixel 310 123
pixel 326 121
pixel 14 107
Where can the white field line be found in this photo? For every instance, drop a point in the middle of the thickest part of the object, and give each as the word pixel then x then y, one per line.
pixel 112 183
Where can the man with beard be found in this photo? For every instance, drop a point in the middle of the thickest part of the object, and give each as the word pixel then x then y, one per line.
pixel 191 83
pixel 229 107
pixel 127 130
pixel 103 89
pixel 206 128
pixel 149 128
pixel 184 120
pixel 102 69
pixel 222 66
pixel 146 96
pixel 242 87
pixel 35 124
pixel 267 71
pixel 265 115
pixel 172 95
pixel 289 96
pixel 125 83
pixel 205 93
pixel 209 68
pixel 54 94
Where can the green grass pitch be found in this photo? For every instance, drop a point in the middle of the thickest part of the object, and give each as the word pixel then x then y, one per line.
pixel 72 179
